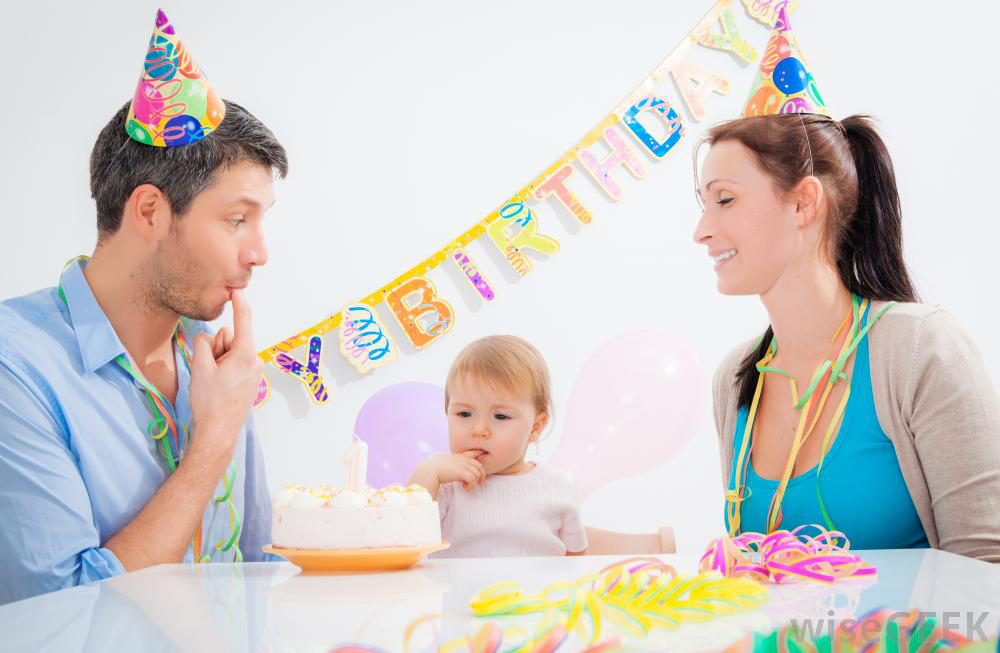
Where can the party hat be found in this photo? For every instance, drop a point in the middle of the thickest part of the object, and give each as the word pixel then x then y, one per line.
pixel 174 102
pixel 784 83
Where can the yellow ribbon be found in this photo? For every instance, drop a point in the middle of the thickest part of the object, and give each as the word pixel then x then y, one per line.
pixel 636 595
pixel 831 369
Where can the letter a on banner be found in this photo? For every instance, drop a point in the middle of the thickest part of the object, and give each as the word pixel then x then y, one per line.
pixel 695 83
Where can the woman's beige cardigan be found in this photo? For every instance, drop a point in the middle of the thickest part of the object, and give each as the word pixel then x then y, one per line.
pixel 935 402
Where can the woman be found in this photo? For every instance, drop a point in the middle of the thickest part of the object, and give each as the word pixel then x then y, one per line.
pixel 875 415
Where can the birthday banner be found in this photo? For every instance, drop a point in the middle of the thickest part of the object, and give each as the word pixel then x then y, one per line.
pixel 413 300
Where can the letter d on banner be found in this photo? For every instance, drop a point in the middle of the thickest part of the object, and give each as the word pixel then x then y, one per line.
pixel 660 107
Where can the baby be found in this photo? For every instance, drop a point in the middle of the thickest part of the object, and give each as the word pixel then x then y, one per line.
pixel 492 501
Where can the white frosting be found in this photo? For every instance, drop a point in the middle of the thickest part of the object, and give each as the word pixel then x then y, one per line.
pixel 305 500
pixel 348 499
pixel 390 498
pixel 419 498
pixel 286 495
pixel 332 518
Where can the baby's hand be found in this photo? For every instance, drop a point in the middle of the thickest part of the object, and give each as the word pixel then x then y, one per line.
pixel 447 468
pixel 461 467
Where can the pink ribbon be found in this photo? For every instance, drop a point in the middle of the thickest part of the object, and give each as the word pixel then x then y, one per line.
pixel 786 555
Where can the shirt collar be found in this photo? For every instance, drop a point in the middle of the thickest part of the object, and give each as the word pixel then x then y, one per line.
pixel 98 342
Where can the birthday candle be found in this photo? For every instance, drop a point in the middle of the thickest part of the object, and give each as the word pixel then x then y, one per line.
pixel 362 473
pixel 356 460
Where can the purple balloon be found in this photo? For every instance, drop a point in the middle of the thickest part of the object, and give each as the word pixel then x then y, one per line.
pixel 181 130
pixel 796 105
pixel 402 425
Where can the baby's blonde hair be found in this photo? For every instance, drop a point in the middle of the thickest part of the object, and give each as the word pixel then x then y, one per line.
pixel 504 362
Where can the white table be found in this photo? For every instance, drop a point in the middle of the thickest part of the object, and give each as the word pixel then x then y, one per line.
pixel 276 608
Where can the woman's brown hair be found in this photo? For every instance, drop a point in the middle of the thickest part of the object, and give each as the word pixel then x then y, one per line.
pixel 863 230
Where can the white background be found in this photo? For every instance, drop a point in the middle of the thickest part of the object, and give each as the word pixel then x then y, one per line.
pixel 407 122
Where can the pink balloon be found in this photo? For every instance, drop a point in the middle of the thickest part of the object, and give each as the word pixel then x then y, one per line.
pixel 636 403
pixel 147 103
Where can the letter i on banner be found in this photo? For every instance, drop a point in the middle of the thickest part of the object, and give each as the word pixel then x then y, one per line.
pixel 472 274
pixel 621 155
pixel 659 107
pixel 423 317
pixel 308 374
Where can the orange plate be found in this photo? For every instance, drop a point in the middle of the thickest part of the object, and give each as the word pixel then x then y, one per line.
pixel 386 559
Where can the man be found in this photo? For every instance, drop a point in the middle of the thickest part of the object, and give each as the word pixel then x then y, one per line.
pixel 125 440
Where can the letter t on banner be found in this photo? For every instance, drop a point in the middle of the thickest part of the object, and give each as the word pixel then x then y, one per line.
pixel 557 184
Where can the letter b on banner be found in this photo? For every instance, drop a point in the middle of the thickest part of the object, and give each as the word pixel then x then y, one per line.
pixel 423 317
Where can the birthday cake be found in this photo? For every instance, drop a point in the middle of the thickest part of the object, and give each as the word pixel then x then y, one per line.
pixel 326 517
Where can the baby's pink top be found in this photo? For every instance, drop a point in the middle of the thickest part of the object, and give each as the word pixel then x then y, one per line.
pixel 531 514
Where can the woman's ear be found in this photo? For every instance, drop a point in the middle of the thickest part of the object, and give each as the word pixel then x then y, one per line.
pixel 808 195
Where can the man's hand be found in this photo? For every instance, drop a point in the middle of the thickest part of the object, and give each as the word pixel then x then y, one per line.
pixel 222 343
pixel 225 375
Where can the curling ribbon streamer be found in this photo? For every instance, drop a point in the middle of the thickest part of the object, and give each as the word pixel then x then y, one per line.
pixel 785 556
pixel 635 596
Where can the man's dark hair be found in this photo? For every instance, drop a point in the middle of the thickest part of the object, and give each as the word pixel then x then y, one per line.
pixel 118 164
